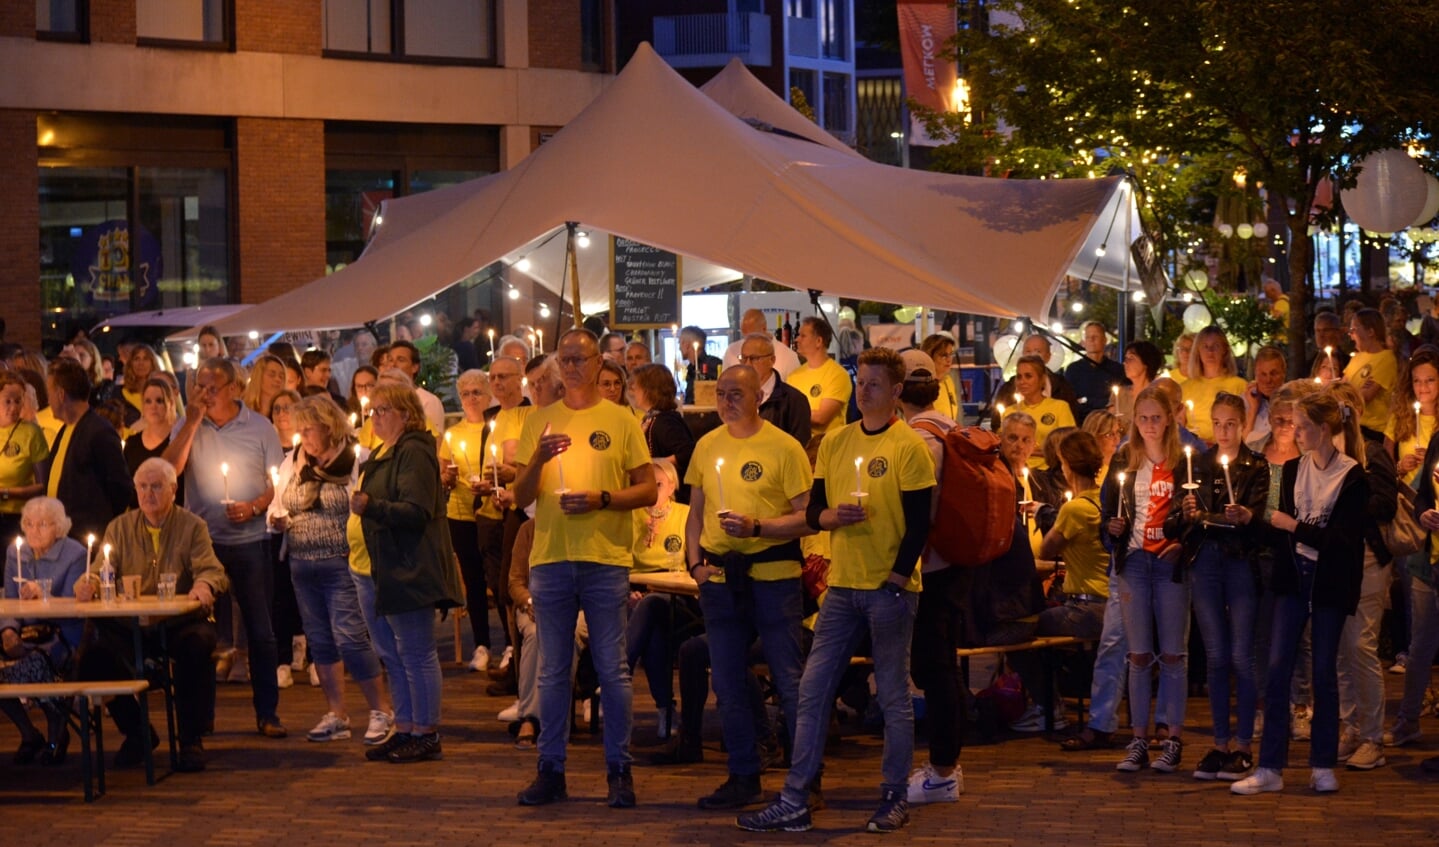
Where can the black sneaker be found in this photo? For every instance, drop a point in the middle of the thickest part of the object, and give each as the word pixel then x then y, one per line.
pixel 1212 763
pixel 779 816
pixel 622 788
pixel 419 748
pixel 380 752
pixel 131 753
pixel 1171 751
pixel 1237 766
pixel 1136 756
pixel 192 757
pixel 893 813
pixel 548 787
pixel 736 793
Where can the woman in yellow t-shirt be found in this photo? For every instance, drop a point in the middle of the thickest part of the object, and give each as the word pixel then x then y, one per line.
pixel 940 348
pixel 1212 369
pixel 1410 429
pixel 659 546
pixel 24 448
pixel 1372 369
pixel 1075 539
pixel 1031 379
pixel 141 365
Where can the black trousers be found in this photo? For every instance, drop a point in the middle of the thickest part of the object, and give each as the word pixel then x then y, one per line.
pixel 108 652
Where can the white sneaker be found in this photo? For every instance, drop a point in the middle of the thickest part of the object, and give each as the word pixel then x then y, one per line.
pixel 1401 663
pixel 381 725
pixel 927 786
pixel 283 677
pixel 1262 780
pixel 299 655
pixel 505 659
pixel 511 713
pixel 480 661
pixel 1323 780
pixel 331 727
pixel 314 676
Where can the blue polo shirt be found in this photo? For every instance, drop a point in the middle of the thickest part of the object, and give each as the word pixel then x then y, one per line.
pixel 249 444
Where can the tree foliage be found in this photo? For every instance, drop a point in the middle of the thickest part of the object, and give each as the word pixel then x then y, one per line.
pixel 1180 93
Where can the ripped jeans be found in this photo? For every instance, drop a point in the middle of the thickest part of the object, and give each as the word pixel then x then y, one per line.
pixel 1156 614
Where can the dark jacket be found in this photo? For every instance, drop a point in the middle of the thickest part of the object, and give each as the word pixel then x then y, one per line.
pixel 1383 477
pixel 1249 473
pixel 95 483
pixel 1340 543
pixel 1093 382
pixel 667 434
pixel 1118 545
pixel 405 529
pixel 1424 501
pixel 787 409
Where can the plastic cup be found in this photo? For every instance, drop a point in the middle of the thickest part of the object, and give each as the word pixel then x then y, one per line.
pixel 130 585
pixel 45 587
pixel 165 589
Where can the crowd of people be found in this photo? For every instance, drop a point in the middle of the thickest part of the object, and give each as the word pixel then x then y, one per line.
pixel 322 509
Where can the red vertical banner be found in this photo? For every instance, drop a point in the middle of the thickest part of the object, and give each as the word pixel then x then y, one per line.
pixel 925 29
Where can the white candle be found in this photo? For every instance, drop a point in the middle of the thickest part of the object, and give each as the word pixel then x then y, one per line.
pixel 1329 354
pixel 1018 400
pixel 1418 408
pixel 491 334
pixel 1189 404
pixel 1224 462
pixel 719 482
pixel 19 562
pixel 1000 407
pixel 354 419
pixel 1068 495
pixel 364 401
pixel 295 440
pixel 275 477
pixel 89 548
pixel 858 480
pixel 495 462
pixel 106 551
pixel 539 341
pixel 464 457
pixel 449 439
pixel 225 477
pixel 1122 477
pixel 1189 461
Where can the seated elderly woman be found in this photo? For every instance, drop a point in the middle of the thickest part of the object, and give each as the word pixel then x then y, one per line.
pixel 38 651
pixel 156 539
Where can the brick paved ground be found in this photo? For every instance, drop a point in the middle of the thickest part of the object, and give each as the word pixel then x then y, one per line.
pixel 1019 791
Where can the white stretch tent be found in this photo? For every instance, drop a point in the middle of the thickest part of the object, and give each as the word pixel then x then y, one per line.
pixel 655 160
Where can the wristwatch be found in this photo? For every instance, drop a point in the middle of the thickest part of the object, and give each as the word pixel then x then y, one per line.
pixel 756 528
pixel 604 499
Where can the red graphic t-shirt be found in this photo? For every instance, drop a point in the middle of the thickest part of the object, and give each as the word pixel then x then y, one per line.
pixel 1153 492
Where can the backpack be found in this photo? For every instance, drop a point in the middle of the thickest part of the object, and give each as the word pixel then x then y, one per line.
pixel 974 524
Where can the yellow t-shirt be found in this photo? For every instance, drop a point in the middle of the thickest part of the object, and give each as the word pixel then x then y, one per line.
pixel 48 423
pixel 1405 447
pixel 474 459
pixel 829 381
pixel 947 403
pixel 507 429
pixel 52 485
pixel 1381 367
pixel 760 476
pixel 667 551
pixel 1036 535
pixel 1049 414
pixel 24 447
pixel 1086 562
pixel 606 444
pixel 893 461
pixel 355 534
pixel 1202 392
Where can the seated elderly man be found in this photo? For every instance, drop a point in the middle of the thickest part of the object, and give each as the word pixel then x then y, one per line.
pixel 155 539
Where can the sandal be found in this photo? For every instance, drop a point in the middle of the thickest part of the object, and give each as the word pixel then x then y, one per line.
pixel 526 734
pixel 1089 739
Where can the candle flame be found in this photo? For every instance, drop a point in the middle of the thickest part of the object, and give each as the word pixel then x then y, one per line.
pixel 1224 460
pixel 225 468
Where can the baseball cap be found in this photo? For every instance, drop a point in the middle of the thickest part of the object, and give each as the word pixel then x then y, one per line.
pixel 918 366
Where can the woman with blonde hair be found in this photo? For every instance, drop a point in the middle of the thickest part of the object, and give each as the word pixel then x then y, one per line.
pixel 1108 430
pixel 267 381
pixel 139 367
pixel 1031 381
pixel 1212 369
pixel 659 536
pixel 24 450
pixel 151 434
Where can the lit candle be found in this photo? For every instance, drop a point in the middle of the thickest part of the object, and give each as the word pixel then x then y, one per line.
pixel 1224 462
pixel 1114 389
pixel 19 562
pixel 1122 477
pixel 464 457
pixel 1000 407
pixel 225 478
pixel 1024 472
pixel 295 440
pixel 1068 495
pixel 491 333
pixel 354 419
pixel 495 462
pixel 1018 400
pixel 364 402
pixel 106 551
pixel 858 480
pixel 275 477
pixel 1189 404
pixel 1189 462
pixel 357 452
pixel 1329 354
pixel 719 483
pixel 1418 408
pixel 449 438
pixel 89 548
pixel 539 341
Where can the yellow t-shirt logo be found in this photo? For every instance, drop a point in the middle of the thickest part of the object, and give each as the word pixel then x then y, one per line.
pixel 751 472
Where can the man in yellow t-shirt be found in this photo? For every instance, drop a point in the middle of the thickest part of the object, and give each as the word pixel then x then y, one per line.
pixel 872 488
pixel 584 463
pixel 821 380
pixel 749 486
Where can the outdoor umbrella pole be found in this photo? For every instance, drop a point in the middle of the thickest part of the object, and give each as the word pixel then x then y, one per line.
pixel 570 227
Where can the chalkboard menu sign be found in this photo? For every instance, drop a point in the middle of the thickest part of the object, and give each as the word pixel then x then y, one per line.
pixel 644 285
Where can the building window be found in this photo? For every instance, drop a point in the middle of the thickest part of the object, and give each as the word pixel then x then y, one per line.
pixel 195 22
pixel 135 215
pixel 61 20
pixel 834 30
pixel 805 80
pixel 836 103
pixel 419 30
pixel 592 35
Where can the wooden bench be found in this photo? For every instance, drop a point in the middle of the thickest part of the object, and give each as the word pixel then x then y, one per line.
pixel 86 721
pixel 1046 644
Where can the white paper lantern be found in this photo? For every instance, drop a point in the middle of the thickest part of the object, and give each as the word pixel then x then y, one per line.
pixel 1389 193
pixel 1261 230
pixel 1197 279
pixel 1004 353
pixel 1244 231
pixel 1431 202
pixel 1226 230
pixel 1197 317
pixel 846 314
pixel 906 314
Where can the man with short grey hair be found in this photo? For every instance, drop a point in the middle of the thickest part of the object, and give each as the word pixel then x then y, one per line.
pixel 752 322
pixel 780 403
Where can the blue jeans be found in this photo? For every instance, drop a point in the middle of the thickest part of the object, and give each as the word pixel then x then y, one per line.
pixel 252 583
pixel 330 614
pixel 560 590
pixel 1156 611
pixel 1423 642
pixel 1225 604
pixel 1105 688
pixel 1291 613
pixel 415 680
pixel 773 610
pixel 382 638
pixel 843 619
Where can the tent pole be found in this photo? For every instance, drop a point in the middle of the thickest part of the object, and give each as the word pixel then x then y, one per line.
pixel 1122 312
pixel 574 262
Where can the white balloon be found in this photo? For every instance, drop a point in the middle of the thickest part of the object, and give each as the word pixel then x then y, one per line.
pixel 1389 193
pixel 1197 317
pixel 1198 279
pixel 1261 230
pixel 846 313
pixel 1005 353
pixel 1431 202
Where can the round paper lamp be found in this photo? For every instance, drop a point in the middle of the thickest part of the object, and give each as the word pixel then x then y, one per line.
pixel 1389 193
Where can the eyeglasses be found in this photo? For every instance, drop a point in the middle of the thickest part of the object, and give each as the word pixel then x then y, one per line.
pixel 572 361
pixel 748 360
pixel 212 387
pixel 277 409
pixel 381 410
pixel 1276 423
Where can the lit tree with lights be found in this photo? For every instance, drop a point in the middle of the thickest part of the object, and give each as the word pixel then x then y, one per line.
pixel 1181 93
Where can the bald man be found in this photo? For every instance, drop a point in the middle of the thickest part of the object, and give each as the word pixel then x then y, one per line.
pixel 753 322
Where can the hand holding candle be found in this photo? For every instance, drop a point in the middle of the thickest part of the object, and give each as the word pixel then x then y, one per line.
pixel 858 478
pixel 225 478
pixel 719 485
pixel 1224 462
pixel 1122 477
pixel 495 462
pixel 1189 484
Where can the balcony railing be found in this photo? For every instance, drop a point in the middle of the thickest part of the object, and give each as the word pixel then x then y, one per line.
pixel 699 41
